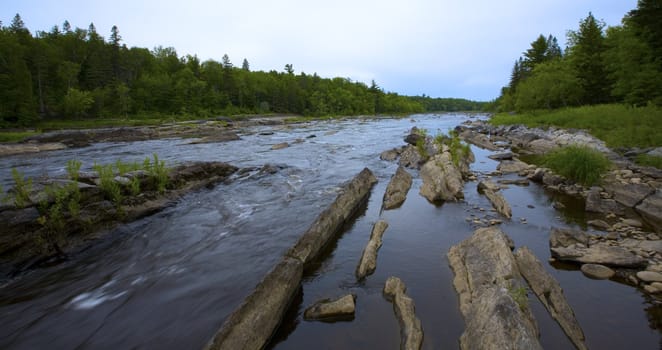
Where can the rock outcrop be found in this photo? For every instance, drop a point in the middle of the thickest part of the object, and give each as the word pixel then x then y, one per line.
pixel 442 181
pixel 573 246
pixel 498 201
pixel 253 323
pixel 487 280
pixel 411 331
pixel 332 310
pixel 331 220
pixel 550 294
pixel 411 158
pixel 397 188
pixel 368 262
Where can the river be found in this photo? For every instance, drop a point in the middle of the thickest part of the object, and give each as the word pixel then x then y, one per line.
pixel 169 280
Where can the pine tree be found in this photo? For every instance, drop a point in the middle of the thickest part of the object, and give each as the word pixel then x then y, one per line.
pixel 245 66
pixel 17 25
pixel 647 22
pixel 536 54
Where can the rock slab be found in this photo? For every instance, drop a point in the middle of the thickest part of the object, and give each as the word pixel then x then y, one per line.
pixel 486 273
pixel 550 294
pixel 341 308
pixel 368 262
pixel 498 201
pixel 442 181
pixel 397 188
pixel 411 331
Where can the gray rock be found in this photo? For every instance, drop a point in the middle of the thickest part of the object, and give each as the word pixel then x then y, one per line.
pixel 517 182
pixel 498 201
pixel 551 179
pixel 512 166
pixel 501 156
pixel 486 276
pixel 411 331
pixel 600 254
pixel 280 146
pixel 478 139
pixel 331 220
pixel 629 195
pixel 341 308
pixel 442 181
pixel 487 185
pixel 596 204
pixel 601 224
pixel 541 146
pixel 537 175
pixel 368 262
pixel 632 223
pixel 415 136
pixel 390 155
pixel 253 323
pixel 550 294
pixel 567 237
pixel 596 271
pixel 397 188
pixel 410 158
pixel 649 276
pixel 651 210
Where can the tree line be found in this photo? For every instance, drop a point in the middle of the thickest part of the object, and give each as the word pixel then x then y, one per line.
pixel 76 73
pixel 620 64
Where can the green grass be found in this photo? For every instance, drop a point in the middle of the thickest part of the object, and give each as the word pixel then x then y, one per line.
pixel 648 160
pixel 578 163
pixel 617 125
pixel 16 136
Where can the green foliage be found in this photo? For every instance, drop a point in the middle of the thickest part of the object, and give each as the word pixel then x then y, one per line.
pixel 76 103
pixel 15 136
pixel 134 186
pixel 552 84
pixel 581 164
pixel 458 149
pixel 520 296
pixel 616 124
pixel 420 147
pixel 22 188
pixel 73 168
pixel 648 160
pixel 123 168
pixel 111 188
pixel 158 172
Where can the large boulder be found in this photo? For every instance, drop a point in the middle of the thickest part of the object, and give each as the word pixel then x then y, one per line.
pixel 411 331
pixel 651 210
pixel 368 262
pixel 596 204
pixel 487 279
pixel 397 188
pixel 561 237
pixel 442 181
pixel 550 294
pixel 629 195
pixel 337 309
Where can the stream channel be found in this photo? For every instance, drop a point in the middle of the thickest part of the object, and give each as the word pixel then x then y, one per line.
pixel 169 280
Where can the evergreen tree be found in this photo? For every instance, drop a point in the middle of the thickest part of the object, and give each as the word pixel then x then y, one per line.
pixel 646 20
pixel 245 66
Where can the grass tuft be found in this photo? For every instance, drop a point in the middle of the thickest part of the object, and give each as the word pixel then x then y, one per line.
pixel 581 164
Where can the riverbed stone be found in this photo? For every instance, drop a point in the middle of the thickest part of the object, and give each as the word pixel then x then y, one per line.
pixel 512 166
pixel 596 271
pixel 478 139
pixel 600 254
pixel 649 276
pixel 253 323
pixel 651 210
pixel 600 224
pixel 498 201
pixel 595 203
pixel 411 331
pixel 541 146
pixel 327 309
pixel 629 195
pixel 410 158
pixel 550 294
pixel 442 181
pixel 485 274
pixel 280 146
pixel 562 237
pixel 551 179
pixel 368 262
pixel 331 220
pixel 390 155
pixel 501 156
pixel 397 188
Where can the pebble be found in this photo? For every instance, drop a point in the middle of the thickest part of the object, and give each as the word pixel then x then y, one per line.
pixel 649 276
pixel 632 222
pixel 596 271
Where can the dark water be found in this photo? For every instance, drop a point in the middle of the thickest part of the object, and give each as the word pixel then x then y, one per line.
pixel 169 280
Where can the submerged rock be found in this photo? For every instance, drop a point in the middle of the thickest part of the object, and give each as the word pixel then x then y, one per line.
pixel 550 294
pixel 487 279
pixel 411 331
pixel 368 262
pixel 442 181
pixel 327 309
pixel 280 146
pixel 498 201
pixel 598 272
pixel 397 188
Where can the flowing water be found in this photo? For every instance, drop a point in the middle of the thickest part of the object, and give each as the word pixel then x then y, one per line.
pixel 169 280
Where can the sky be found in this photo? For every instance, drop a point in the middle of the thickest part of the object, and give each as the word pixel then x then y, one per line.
pixel 440 48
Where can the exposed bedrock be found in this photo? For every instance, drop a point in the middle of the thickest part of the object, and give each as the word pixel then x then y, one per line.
pixel 368 262
pixel 411 331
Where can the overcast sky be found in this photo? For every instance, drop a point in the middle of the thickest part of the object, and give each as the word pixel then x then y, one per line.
pixel 441 48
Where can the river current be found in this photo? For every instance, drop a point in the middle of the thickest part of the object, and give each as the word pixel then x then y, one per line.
pixel 169 280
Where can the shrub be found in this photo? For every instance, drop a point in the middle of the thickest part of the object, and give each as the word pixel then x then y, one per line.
pixel 456 147
pixel 111 188
pixel 22 188
pixel 581 164
pixel 157 172
pixel 73 167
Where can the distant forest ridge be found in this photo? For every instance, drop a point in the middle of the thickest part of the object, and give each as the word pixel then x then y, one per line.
pixel 77 73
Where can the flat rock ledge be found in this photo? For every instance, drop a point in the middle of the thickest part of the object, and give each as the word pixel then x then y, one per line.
pixel 487 280
pixel 499 203
pixel 332 310
pixel 576 246
pixel 253 323
pixel 397 188
pixel 550 294
pixel 411 331
pixel 368 262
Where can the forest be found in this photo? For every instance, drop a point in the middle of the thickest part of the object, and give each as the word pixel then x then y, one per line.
pixel 620 64
pixel 75 74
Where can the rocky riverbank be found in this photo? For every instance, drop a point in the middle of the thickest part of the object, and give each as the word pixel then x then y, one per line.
pixel 61 216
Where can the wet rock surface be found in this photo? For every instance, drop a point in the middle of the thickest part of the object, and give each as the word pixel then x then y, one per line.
pixel 332 310
pixel 368 262
pixel 411 331
pixel 397 188
pixel 496 199
pixel 598 272
pixel 442 181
